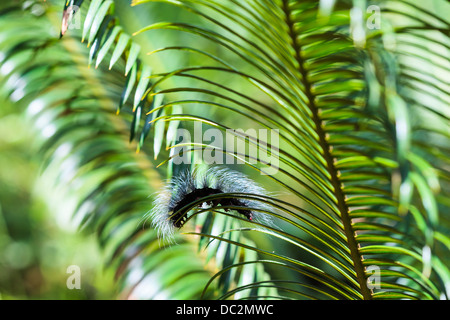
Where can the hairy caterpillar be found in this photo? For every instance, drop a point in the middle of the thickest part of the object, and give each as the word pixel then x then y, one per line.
pixel 171 206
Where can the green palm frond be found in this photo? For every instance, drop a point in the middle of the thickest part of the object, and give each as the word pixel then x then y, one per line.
pixel 360 190
pixel 67 106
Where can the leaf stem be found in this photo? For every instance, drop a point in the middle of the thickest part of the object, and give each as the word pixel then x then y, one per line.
pixel 335 181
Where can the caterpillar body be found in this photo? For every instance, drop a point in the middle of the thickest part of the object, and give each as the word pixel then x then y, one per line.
pixel 172 205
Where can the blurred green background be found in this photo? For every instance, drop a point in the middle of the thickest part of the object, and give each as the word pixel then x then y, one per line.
pixel 38 241
pixel 36 247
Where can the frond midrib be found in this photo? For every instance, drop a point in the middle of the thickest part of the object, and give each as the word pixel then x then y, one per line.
pixel 330 167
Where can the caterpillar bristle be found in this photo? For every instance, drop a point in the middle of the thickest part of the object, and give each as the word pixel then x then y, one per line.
pixel 172 204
